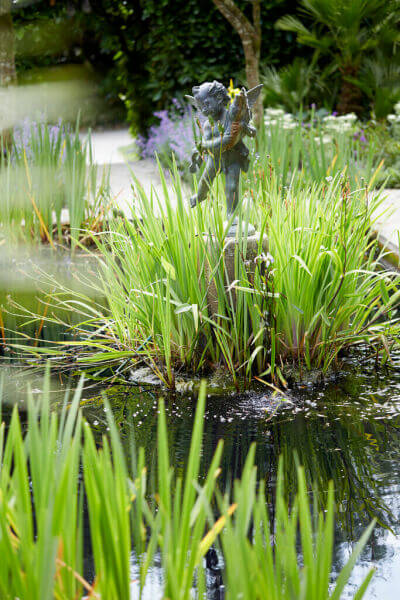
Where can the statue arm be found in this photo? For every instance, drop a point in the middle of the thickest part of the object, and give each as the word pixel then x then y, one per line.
pixel 237 126
pixel 220 143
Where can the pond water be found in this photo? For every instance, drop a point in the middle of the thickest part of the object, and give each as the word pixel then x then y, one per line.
pixel 347 430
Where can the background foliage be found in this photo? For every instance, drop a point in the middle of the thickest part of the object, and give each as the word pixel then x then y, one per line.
pixel 155 46
pixel 148 52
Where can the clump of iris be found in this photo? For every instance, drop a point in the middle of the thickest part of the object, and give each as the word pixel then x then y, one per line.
pixel 28 134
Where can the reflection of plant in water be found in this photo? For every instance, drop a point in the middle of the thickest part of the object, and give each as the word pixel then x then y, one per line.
pixel 338 444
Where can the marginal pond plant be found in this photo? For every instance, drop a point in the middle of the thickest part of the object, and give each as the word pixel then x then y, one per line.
pixel 172 303
pixel 178 517
pixel 49 186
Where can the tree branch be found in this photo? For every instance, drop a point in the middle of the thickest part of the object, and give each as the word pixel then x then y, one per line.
pixel 250 35
pixel 257 25
pixel 236 18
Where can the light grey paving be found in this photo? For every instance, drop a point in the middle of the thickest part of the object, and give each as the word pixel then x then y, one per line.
pixel 387 225
pixel 113 150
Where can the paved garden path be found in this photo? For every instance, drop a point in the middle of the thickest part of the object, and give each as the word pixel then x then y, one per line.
pixel 387 226
pixel 115 148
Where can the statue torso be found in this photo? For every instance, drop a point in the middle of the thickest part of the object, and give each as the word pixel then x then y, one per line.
pixel 236 155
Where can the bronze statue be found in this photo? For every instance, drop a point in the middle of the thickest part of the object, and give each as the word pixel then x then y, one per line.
pixel 222 145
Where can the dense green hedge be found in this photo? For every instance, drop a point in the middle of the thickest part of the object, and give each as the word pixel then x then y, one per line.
pixel 46 35
pixel 151 50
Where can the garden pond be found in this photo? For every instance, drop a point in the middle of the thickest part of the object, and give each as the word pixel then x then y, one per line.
pixel 347 430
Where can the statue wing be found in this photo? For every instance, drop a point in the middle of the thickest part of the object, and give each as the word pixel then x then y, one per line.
pixel 193 101
pixel 253 94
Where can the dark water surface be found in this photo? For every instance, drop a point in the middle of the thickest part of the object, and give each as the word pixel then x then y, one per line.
pixel 347 430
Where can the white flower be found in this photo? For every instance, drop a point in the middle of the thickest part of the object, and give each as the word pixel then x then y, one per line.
pixel 340 124
pixel 267 259
pixel 326 139
pixel 329 119
pixel 350 117
pixel 274 112
pixel 397 108
pixel 329 178
pixel 289 125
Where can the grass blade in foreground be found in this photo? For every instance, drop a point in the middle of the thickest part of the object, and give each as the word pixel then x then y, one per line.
pixel 257 569
pixel 41 525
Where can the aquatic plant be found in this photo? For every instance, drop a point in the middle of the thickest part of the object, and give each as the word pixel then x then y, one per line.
pixel 42 517
pixel 328 290
pixel 50 191
pixel 172 303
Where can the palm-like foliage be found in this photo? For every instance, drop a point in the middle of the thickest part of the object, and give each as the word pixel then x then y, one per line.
pixel 348 32
pixel 380 82
pixel 292 86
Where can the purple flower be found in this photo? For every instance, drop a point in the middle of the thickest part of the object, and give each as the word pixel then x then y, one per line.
pixel 335 113
pixel 174 132
pixel 29 137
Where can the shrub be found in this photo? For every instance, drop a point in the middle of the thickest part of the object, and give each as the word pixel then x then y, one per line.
pixel 157 58
pixel 173 135
pixel 295 86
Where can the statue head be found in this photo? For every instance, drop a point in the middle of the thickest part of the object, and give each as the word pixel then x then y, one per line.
pixel 210 98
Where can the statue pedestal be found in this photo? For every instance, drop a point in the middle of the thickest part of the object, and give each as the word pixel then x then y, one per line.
pixel 252 249
pixel 247 228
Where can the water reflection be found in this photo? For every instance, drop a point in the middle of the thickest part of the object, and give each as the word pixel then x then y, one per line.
pixel 347 431
pixel 29 314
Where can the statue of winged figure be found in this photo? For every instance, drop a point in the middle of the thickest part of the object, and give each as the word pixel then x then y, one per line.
pixel 221 145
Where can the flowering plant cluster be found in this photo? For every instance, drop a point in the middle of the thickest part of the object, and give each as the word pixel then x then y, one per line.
pixel 174 132
pixel 394 119
pixel 274 116
pixel 29 137
pixel 331 125
pixel 340 123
